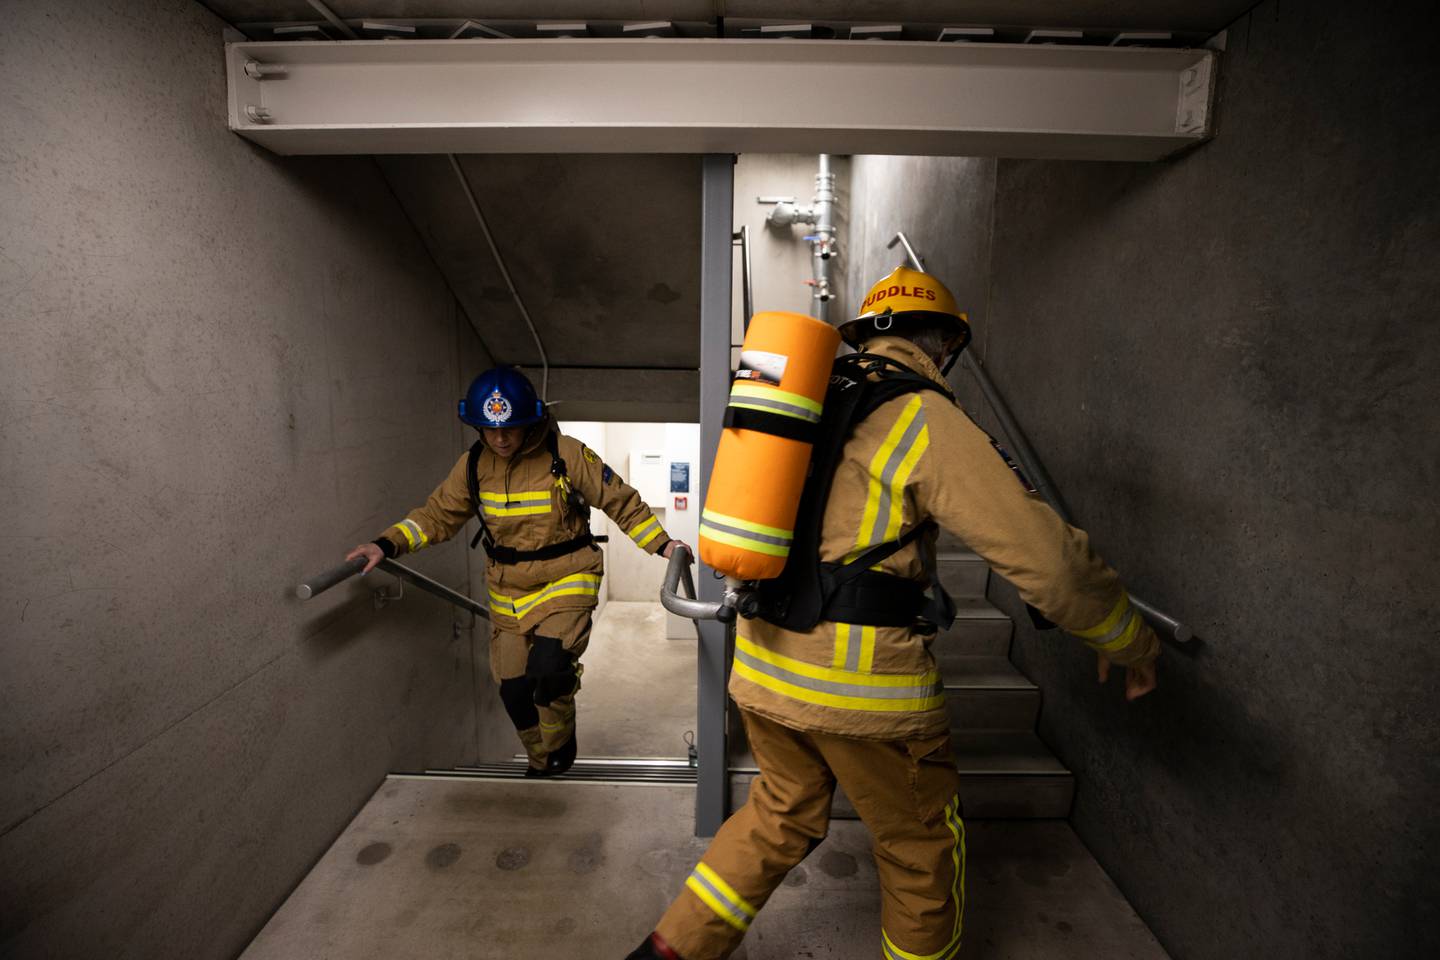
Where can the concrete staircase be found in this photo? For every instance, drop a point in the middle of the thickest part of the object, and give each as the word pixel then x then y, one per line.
pixel 1005 770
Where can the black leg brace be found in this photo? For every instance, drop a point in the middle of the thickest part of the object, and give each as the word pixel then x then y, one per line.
pixel 518 695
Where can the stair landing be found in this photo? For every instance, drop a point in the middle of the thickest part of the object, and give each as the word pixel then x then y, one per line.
pixel 444 868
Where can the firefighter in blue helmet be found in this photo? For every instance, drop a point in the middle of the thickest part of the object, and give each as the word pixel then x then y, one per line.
pixel 531 488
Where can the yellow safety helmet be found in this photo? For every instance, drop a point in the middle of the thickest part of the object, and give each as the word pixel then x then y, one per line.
pixel 905 293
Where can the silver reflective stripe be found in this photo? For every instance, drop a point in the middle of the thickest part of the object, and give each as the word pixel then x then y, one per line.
pixel 1118 629
pixel 746 534
pixel 887 476
pixel 860 690
pixel 779 406
pixel 730 905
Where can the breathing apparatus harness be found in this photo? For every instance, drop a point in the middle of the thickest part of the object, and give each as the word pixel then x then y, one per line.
pixel 809 591
pixel 572 498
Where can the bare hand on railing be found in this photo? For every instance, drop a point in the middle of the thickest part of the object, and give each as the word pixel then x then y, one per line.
pixel 670 548
pixel 1140 678
pixel 370 552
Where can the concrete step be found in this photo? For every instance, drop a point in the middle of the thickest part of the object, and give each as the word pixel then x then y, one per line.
pixel 980 630
pixel 1003 775
pixel 988 693
pixel 963 573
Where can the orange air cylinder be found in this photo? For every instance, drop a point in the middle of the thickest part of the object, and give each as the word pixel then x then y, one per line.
pixel 748 522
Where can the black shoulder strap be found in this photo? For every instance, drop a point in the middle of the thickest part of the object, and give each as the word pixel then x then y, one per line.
pixel 472 482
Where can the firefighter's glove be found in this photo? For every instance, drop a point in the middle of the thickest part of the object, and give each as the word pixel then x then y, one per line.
pixel 552 668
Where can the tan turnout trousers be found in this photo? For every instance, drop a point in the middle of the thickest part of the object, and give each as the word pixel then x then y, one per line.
pixel 905 791
pixel 555 723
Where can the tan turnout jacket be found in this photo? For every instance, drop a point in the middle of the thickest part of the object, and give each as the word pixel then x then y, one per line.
pixel 917 457
pixel 525 509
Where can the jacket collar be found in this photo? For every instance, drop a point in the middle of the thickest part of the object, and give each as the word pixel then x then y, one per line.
pixel 903 351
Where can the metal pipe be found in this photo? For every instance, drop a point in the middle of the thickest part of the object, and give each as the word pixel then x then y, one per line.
pixel 509 283
pixel 910 253
pixel 319 583
pixel 822 245
pixel 746 286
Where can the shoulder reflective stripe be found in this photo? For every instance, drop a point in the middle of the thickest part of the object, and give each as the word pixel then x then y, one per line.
pixel 642 533
pixel 579 584
pixel 829 687
pixel 746 535
pixel 890 468
pixel 719 896
pixel 771 400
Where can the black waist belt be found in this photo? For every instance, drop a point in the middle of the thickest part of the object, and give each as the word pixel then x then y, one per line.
pixel 500 554
pixel 873 599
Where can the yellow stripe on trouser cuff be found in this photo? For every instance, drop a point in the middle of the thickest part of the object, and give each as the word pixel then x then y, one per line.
pixel 957 895
pixel 580 584
pixel 745 534
pixel 1117 629
pixel 645 531
pixel 414 535
pixel 828 687
pixel 719 896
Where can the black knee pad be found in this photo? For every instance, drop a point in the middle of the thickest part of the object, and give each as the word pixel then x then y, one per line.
pixel 518 695
pixel 551 668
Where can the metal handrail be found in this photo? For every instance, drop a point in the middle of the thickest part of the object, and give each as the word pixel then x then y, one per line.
pixel 318 584
pixel 677 575
pixel 1179 631
pixel 742 237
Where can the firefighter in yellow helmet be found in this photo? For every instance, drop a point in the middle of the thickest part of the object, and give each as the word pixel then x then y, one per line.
pixel 857 700
pixel 531 488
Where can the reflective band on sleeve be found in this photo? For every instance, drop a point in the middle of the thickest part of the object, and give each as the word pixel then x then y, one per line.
pixel 957 895
pixel 829 687
pixel 890 469
pixel 719 896
pixel 580 584
pixel 746 535
pixel 516 504
pixel 1117 629
pixel 645 531
pixel 748 396
pixel 414 534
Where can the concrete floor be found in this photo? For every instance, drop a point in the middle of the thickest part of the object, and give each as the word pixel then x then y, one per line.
pixel 638 698
pixel 434 869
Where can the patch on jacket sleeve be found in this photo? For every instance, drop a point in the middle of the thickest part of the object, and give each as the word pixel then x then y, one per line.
pixel 1015 467
pixel 589 454
pixel 608 476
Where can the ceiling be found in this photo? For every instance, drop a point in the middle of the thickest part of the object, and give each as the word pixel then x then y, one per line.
pixel 697 17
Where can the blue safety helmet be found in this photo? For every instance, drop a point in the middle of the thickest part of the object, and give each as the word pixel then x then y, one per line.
pixel 502 397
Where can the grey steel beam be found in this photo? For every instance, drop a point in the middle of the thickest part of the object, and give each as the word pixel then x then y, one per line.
pixel 712 791
pixel 706 96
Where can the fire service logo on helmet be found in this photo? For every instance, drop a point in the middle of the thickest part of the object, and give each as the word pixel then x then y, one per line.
pixel 497 408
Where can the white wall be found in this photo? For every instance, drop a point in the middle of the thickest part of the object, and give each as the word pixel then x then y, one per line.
pixel 632 574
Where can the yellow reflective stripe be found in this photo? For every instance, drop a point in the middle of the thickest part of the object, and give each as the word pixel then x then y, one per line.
pixel 750 525
pixel 720 897
pixel 744 543
pixel 843 689
pixel 889 470
pixel 749 390
pixel 957 855
pixel 502 499
pixel 414 534
pixel 1111 621
pixel 851 655
pixel 638 532
pixel 575 585
pixel 1132 628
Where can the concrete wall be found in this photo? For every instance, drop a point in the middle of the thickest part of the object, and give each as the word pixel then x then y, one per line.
pixel 1228 362
pixel 220 369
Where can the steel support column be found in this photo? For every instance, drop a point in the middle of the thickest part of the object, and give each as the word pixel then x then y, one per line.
pixel 716 225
